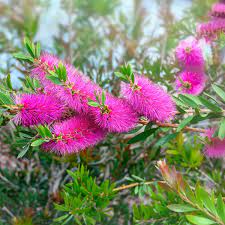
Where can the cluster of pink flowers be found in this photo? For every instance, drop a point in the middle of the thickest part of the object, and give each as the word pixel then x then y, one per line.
pixel 75 124
pixel 216 147
pixel 211 29
pixel 190 57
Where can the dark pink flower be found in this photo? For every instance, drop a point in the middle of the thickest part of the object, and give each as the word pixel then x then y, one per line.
pixel 115 116
pixel 191 82
pixel 75 92
pixel 74 135
pixel 216 147
pixel 34 109
pixel 149 99
pixel 189 54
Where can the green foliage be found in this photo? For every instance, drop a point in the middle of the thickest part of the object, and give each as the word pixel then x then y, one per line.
pixel 99 37
pixel 33 50
pixel 85 202
pixel 59 75
pixel 206 208
pixel 126 74
pixel 186 153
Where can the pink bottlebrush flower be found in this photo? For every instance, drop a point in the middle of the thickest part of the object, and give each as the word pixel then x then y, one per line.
pixel 189 54
pixel 211 30
pixel 190 82
pixel 218 10
pixel 74 135
pixel 34 109
pixel 48 62
pixel 149 99
pixel 77 92
pixel 216 147
pixel 115 116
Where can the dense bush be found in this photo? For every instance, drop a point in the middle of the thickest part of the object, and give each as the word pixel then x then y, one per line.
pixel 111 122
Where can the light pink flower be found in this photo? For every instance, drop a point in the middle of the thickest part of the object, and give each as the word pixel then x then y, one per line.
pixel 211 30
pixel 149 99
pixel 218 10
pixel 37 109
pixel 116 116
pixel 191 82
pixel 74 135
pixel 216 147
pixel 189 54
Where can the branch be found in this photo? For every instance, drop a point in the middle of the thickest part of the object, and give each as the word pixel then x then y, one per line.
pixel 145 122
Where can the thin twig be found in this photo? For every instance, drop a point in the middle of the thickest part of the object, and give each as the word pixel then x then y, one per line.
pixel 123 187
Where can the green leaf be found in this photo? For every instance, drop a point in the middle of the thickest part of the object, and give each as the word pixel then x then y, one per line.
pixel 132 77
pixel 137 178
pixel 94 104
pixel 64 73
pixel 181 208
pixel 38 50
pixel 5 99
pixel 36 83
pixel 61 218
pixel 47 131
pixel 23 152
pixel 219 92
pixel 193 98
pixel 24 57
pixel 220 207
pixel 8 82
pixel 165 139
pixel 188 101
pixel 121 76
pixel 136 212
pixel 30 47
pixel 54 79
pixel 198 220
pixel 44 131
pixel 103 98
pixel 206 200
pixel 221 133
pixel 37 142
pixel 179 102
pixel 142 136
pixel 184 123
pixel 209 104
pixel 135 130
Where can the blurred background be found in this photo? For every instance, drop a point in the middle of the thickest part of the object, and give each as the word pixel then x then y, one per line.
pixel 96 36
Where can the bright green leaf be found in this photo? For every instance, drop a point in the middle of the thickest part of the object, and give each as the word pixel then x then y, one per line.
pixel 142 136
pixel 198 220
pixel 221 132
pixel 94 104
pixel 181 208
pixel 210 105
pixel 8 82
pixel 184 123
pixel 219 91
pixel 38 142
pixel 38 50
pixel 5 99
